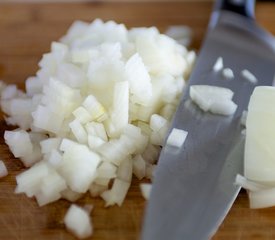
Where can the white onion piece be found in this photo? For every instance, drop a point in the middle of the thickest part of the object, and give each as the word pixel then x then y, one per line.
pixel 249 76
pixel 94 142
pixel 106 169
pixel 125 170
pixel 103 181
pixel 139 79
pixel 82 115
pixel 9 92
pixel 29 181
pixel 96 129
pixel 119 113
pixel 13 137
pixel 70 74
pixel 78 131
pixel 218 64
pixel 50 189
pixel 3 169
pixel 223 107
pixel 78 166
pixel 28 152
pixel 145 190
pixel 215 99
pixel 78 221
pixel 139 167
pixel 243 118
pixel 177 137
pixel 157 122
pixel 95 108
pixel 159 126
pixel 150 171
pixel 228 73
pixel 34 86
pixel 117 193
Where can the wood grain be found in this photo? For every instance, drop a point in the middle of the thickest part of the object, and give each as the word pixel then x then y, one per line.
pixel 26 31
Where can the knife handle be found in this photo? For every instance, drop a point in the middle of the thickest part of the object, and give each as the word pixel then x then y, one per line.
pixel 243 7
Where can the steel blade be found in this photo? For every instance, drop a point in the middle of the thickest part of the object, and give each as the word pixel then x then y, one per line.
pixel 194 188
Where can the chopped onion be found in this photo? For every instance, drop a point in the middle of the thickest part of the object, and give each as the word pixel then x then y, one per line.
pixel 177 137
pixel 125 170
pixel 249 76
pixel 145 190
pixel 150 171
pixel 3 169
pixel 117 193
pixel 215 99
pixel 228 73
pixel 77 220
pixel 96 112
pixel 139 167
pixel 157 122
pixel 243 118
pixel 218 64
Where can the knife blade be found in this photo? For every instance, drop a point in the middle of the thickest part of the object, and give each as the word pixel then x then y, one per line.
pixel 193 188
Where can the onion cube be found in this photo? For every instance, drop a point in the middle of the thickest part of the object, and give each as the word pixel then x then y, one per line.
pixel 157 122
pixel 13 137
pixel 78 221
pixel 139 167
pixel 177 137
pixel 218 64
pixel 249 76
pixel 117 193
pixel 78 166
pixel 228 73
pixel 215 99
pixel 145 190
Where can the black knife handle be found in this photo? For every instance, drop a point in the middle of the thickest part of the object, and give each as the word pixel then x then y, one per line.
pixel 243 7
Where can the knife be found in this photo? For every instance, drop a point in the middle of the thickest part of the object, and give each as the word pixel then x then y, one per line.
pixel 193 188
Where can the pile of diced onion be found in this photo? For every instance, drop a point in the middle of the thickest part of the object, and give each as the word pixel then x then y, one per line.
pixel 96 112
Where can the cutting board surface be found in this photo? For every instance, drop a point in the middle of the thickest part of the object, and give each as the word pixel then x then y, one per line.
pixel 26 31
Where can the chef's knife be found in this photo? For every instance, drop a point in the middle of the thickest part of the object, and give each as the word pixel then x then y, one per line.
pixel 194 188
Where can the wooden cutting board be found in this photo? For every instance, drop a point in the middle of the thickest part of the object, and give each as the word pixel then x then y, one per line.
pixel 26 31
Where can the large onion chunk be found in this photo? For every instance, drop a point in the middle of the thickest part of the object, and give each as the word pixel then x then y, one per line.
pixel 259 160
pixel 145 189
